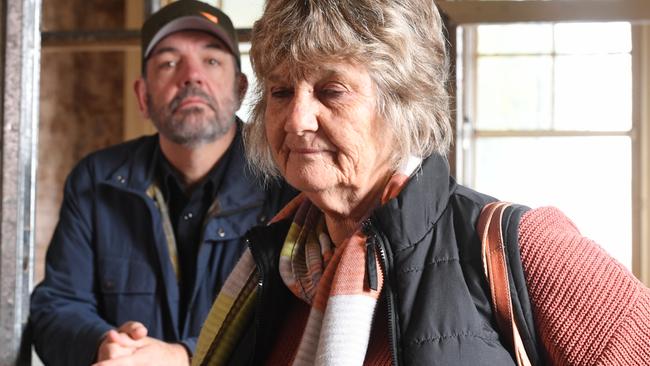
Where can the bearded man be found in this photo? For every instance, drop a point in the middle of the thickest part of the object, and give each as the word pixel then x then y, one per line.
pixel 149 229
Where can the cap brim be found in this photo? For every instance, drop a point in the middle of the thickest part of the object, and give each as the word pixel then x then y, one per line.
pixel 190 23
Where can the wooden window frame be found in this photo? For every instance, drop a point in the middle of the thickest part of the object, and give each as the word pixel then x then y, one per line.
pixel 466 12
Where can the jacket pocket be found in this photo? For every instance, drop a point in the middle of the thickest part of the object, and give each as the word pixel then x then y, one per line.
pixel 128 291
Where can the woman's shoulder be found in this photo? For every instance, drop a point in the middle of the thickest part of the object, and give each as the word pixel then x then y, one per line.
pixel 579 293
pixel 467 197
pixel 545 222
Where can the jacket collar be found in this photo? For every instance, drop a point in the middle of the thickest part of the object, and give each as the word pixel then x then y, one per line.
pixel 136 172
pixel 239 186
pixel 407 218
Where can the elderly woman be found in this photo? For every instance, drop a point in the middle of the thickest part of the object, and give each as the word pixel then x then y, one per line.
pixel 378 260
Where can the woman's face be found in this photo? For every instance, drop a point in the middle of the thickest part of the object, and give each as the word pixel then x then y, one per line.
pixel 324 130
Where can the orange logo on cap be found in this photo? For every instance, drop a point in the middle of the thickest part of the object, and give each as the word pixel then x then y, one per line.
pixel 210 17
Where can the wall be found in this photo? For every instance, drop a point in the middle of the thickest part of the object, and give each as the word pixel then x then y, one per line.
pixel 81 104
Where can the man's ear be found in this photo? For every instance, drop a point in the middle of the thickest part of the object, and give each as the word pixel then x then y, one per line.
pixel 140 89
pixel 242 87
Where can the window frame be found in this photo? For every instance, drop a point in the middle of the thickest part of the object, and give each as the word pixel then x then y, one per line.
pixel 469 12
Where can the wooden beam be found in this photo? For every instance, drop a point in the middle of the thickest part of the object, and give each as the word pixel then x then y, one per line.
pixel 109 40
pixel 477 11
pixel 19 90
pixel 133 125
pixel 641 155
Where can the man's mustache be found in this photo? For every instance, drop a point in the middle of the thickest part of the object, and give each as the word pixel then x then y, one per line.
pixel 191 91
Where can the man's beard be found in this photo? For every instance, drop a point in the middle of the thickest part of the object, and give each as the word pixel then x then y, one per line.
pixel 193 126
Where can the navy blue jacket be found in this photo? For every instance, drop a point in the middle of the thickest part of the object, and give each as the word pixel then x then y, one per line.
pixel 108 260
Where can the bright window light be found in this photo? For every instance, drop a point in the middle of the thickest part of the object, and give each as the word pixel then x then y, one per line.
pixel 547 113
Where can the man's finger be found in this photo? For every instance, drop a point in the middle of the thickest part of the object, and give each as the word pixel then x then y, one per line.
pixel 121 339
pixel 114 350
pixel 135 330
pixel 113 346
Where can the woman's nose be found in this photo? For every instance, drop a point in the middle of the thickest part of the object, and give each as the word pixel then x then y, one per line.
pixel 302 114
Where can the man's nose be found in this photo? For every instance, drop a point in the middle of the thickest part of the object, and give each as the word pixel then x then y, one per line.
pixel 191 72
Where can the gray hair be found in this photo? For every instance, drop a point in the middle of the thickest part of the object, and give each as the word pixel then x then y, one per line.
pixel 401 43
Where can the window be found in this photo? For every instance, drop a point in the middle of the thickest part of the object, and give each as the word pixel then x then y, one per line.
pixel 243 14
pixel 546 111
pixel 245 109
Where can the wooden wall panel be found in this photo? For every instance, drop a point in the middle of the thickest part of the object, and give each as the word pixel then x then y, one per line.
pixel 81 105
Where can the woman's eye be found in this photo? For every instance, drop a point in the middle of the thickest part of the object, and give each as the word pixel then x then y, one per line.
pixel 281 93
pixel 331 92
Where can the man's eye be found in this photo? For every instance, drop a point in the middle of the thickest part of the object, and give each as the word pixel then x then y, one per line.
pixel 168 64
pixel 213 62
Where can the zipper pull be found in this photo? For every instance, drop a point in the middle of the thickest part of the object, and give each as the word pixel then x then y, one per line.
pixel 371 263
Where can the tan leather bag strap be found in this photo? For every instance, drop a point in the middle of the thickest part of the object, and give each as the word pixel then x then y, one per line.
pixel 496 272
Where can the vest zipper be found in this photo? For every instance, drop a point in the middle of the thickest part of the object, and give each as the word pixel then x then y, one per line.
pixel 371 263
pixel 377 241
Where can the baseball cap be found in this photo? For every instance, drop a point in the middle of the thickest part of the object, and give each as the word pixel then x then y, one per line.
pixel 188 15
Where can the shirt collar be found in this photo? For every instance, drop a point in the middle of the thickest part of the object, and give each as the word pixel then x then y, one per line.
pixel 168 175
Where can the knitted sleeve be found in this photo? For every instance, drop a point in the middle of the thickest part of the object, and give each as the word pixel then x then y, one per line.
pixel 588 308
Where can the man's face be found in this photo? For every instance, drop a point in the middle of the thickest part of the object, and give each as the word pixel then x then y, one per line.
pixel 192 88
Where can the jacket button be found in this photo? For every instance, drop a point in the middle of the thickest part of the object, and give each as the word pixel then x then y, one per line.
pixel 109 285
pixel 221 232
pixel 262 218
pixel 120 179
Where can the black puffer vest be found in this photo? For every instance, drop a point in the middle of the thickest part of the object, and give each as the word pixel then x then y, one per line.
pixel 439 310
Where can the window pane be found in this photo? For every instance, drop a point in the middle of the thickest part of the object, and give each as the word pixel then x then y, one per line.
pixel 514 92
pixel 588 178
pixel 593 38
pixel 593 92
pixel 243 13
pixel 496 39
pixel 246 68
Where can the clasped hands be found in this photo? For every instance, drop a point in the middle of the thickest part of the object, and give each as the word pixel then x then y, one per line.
pixel 129 345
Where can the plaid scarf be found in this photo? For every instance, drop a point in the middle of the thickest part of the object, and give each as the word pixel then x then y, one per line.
pixel 331 279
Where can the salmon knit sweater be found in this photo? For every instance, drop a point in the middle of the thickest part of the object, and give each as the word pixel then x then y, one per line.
pixel 588 308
